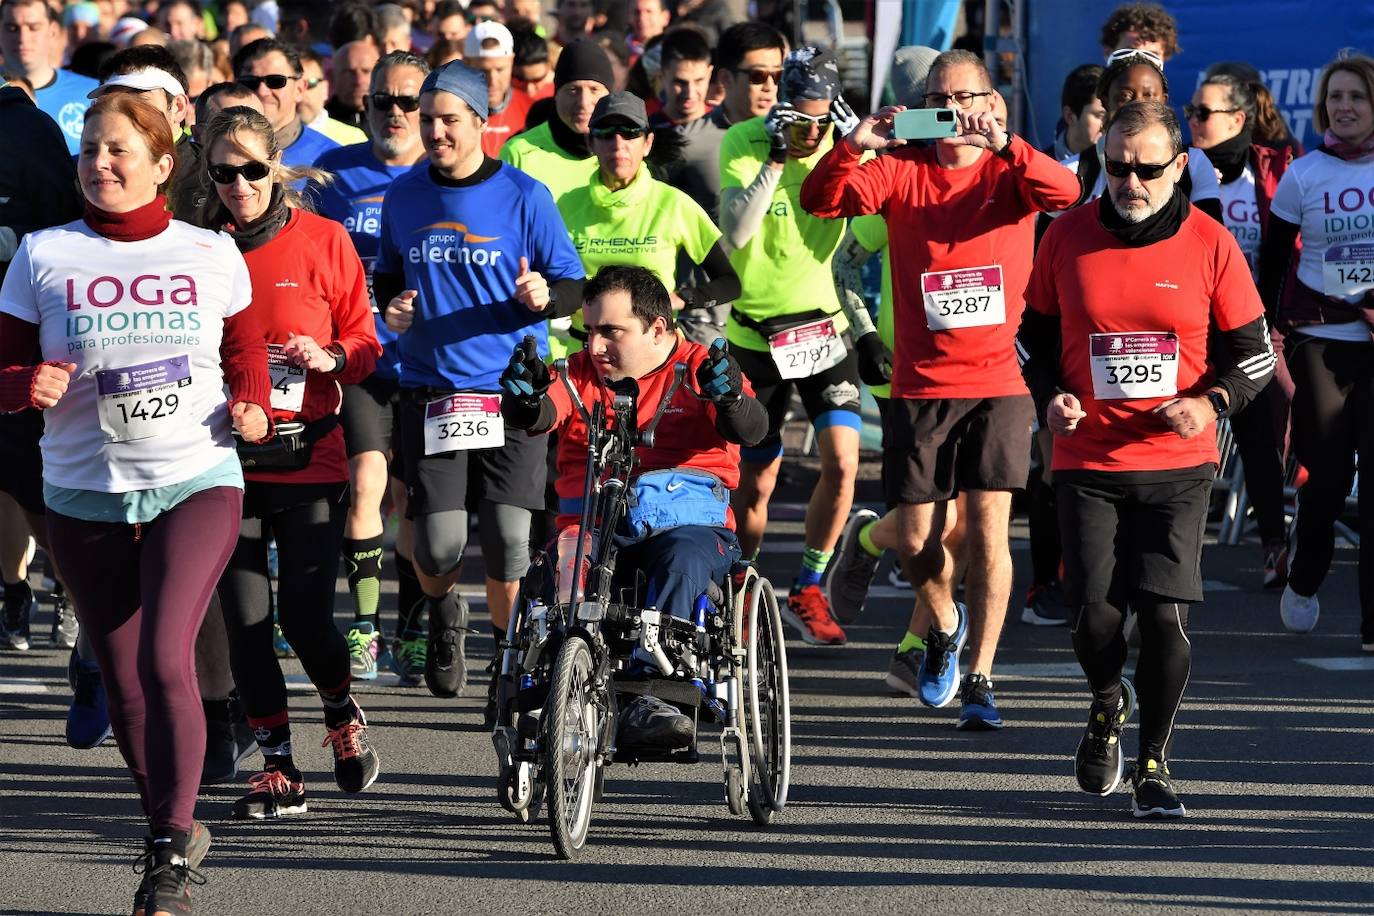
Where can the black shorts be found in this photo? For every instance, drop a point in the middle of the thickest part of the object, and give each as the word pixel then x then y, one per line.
pixel 368 416
pixel 830 398
pixel 512 475
pixel 21 459
pixel 936 448
pixel 1125 537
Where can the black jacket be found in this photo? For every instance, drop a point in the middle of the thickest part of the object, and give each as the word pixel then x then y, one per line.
pixel 38 186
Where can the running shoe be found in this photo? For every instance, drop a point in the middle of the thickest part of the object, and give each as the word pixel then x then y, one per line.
pixel 1098 764
pixel 649 722
pixel 146 865
pixel 808 612
pixel 897 578
pixel 14 623
pixel 1275 564
pixel 851 573
pixel 65 628
pixel 229 741
pixel 271 793
pixel 1153 791
pixel 408 660
pixel 938 678
pixel 88 717
pixel 978 709
pixel 355 762
pixel 363 643
pixel 1299 613
pixel 902 672
pixel 280 646
pixel 446 667
pixel 1046 606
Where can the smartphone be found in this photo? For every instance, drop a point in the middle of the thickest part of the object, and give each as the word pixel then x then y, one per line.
pixel 925 124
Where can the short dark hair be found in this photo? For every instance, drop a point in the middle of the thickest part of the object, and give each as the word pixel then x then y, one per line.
pixel 47 8
pixel 1080 88
pixel 233 90
pixel 649 298
pixel 742 38
pixel 530 47
pixel 1150 21
pixel 143 57
pixel 169 4
pixel 351 22
pixel 263 47
pixel 684 43
pixel 1138 116
pixel 447 8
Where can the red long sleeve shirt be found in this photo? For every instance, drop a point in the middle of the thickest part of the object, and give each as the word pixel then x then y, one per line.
pixel 942 219
pixel 308 281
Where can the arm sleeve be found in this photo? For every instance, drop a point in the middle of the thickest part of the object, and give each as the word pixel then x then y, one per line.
pixel 1039 341
pixel 1247 362
pixel 243 356
pixel 386 286
pixel 722 284
pixel 565 297
pixel 1044 184
pixel 742 209
pixel 844 267
pixel 743 422
pixel 354 328
pixel 1277 249
pixel 842 184
pixel 18 344
pixel 534 417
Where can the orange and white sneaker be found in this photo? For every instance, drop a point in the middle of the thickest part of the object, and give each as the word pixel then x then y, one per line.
pixel 355 762
pixel 272 793
pixel 808 611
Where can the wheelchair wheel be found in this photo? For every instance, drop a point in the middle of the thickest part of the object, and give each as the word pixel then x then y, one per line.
pixel 571 747
pixel 768 709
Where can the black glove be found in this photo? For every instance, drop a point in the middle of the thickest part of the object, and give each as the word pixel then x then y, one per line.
pixel 875 360
pixel 526 376
pixel 718 376
pixel 778 125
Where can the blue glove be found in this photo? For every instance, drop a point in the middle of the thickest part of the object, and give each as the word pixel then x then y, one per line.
pixel 718 376
pixel 526 376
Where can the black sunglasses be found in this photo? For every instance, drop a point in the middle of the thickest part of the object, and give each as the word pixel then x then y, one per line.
pixel 1145 171
pixel 623 131
pixel 228 174
pixel 382 101
pixel 1201 113
pixel 273 81
pixel 760 75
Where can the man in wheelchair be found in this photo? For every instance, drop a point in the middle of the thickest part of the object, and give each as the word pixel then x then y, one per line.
pixel 679 534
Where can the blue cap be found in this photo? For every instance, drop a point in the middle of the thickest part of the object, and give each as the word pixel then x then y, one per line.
pixel 461 80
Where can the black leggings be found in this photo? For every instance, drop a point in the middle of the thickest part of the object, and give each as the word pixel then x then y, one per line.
pixel 1259 440
pixel 307 521
pixel 1333 421
pixel 1161 674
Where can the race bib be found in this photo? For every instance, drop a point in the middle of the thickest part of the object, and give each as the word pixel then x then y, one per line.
pixel 144 401
pixel 970 297
pixel 803 351
pixel 1348 270
pixel 463 421
pixel 1136 364
pixel 288 381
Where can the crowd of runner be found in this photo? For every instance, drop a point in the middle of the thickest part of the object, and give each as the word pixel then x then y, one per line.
pixel 284 283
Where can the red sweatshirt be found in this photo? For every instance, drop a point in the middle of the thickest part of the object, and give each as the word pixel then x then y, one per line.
pixel 686 436
pixel 308 281
pixel 941 219
pixel 506 123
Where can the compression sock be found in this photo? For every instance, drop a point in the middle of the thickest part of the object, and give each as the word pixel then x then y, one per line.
pixel 364 560
pixel 866 539
pixel 274 738
pixel 813 566
pixel 338 704
pixel 911 641
pixel 18 594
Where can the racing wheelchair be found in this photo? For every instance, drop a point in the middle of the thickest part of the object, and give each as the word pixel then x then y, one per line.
pixel 572 653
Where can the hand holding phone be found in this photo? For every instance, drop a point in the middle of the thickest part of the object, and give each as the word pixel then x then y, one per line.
pixel 926 124
pixel 875 132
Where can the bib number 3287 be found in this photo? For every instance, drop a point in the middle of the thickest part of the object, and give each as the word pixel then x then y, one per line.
pixel 803 351
pixel 1136 364
pixel 463 421
pixel 970 297
pixel 143 401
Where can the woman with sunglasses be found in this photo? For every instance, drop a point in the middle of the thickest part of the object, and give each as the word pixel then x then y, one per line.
pixel 310 300
pixel 1328 310
pixel 1222 120
pixel 141 321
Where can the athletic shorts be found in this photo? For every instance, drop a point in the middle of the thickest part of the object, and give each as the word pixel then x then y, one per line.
pixel 21 460
pixel 936 448
pixel 512 475
pixel 830 398
pixel 1121 538
pixel 368 416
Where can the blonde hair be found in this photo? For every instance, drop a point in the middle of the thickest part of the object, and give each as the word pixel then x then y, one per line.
pixel 1358 64
pixel 231 124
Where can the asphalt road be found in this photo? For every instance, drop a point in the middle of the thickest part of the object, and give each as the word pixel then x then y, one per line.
pixel 892 810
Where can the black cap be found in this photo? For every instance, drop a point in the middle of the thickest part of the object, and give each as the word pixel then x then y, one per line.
pixel 583 60
pixel 622 106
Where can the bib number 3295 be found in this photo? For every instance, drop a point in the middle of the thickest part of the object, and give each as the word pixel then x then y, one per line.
pixel 1136 364
pixel 143 401
pixel 463 421
pixel 807 349
pixel 970 297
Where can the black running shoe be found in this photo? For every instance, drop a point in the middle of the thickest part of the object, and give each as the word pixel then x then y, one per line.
pixel 1153 794
pixel 355 762
pixel 650 722
pixel 272 793
pixel 14 622
pixel 197 845
pixel 1098 764
pixel 446 667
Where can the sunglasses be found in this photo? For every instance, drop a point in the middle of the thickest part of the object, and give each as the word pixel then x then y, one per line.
pixel 623 131
pixel 382 101
pixel 1145 171
pixel 1149 57
pixel 817 120
pixel 273 81
pixel 1201 113
pixel 759 75
pixel 228 174
pixel 962 99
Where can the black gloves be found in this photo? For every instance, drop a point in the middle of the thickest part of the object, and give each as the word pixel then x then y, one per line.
pixel 875 360
pixel 718 376
pixel 526 376
pixel 778 125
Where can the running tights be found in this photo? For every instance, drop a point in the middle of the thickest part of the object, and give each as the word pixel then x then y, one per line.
pixel 141 593
pixel 1161 674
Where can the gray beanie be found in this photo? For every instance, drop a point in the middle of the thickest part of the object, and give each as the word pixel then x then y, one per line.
pixel 910 68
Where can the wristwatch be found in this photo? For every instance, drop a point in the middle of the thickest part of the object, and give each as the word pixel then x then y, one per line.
pixel 1005 151
pixel 1218 402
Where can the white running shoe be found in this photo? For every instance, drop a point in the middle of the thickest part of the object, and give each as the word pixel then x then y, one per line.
pixel 1299 613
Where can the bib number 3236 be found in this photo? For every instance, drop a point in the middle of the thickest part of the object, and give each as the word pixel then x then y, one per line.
pixel 463 421
pixel 1135 364
pixel 143 401
pixel 807 349
pixel 970 297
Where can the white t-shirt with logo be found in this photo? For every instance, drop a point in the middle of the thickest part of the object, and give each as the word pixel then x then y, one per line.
pixel 147 405
pixel 1240 213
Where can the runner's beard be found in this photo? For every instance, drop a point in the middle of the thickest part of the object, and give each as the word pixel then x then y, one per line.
pixel 1139 214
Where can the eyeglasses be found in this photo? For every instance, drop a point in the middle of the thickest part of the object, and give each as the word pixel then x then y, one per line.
pixel 1149 57
pixel 818 120
pixel 310 83
pixel 1145 171
pixel 759 75
pixel 962 99
pixel 273 81
pixel 382 101
pixel 228 174
pixel 623 131
pixel 1201 113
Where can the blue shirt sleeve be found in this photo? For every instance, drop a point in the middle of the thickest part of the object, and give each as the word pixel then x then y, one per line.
pixel 551 249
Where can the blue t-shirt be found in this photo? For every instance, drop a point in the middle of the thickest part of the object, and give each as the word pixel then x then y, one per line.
pixel 460 248
pixel 309 146
pixel 354 198
pixel 64 100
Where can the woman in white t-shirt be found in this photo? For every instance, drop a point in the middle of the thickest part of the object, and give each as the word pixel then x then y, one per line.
pixel 1328 196
pixel 147 364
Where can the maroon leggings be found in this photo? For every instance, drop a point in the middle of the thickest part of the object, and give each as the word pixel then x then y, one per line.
pixel 141 592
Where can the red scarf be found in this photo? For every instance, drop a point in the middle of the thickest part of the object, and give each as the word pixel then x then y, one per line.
pixel 133 226
pixel 1344 149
